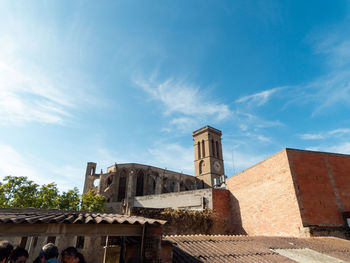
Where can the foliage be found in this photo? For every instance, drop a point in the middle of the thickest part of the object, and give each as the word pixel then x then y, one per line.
pixel 19 192
pixel 92 202
pixel 69 200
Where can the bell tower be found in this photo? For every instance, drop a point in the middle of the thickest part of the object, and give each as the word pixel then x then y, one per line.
pixel 208 159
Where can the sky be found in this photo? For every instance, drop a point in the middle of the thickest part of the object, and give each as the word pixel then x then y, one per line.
pixel 128 81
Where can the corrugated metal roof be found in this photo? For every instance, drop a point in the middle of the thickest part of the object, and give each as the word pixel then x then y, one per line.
pixel 45 216
pixel 209 248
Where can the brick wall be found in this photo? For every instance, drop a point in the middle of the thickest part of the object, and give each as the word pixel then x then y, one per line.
pixel 323 181
pixel 263 199
pixel 221 212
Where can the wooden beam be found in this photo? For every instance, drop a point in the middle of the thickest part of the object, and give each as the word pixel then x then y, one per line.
pixel 70 229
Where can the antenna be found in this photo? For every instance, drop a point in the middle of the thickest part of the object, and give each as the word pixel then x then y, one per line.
pixel 233 164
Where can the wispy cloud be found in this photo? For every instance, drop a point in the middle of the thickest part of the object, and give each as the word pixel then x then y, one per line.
pixel 325 135
pixel 260 98
pixel 39 81
pixel 184 98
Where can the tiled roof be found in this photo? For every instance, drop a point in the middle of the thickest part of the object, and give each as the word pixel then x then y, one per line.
pixel 206 248
pixel 41 216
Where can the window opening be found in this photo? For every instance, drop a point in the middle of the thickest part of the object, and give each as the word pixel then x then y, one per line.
pixel 203 148
pixel 139 183
pixel 80 242
pixel 217 149
pixel 122 186
pixel 212 148
pixel 199 150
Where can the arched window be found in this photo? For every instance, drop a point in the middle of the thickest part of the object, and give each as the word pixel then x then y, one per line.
pixel 217 149
pixel 201 164
pixel 109 180
pixel 139 183
pixel 212 148
pixel 199 150
pixel 203 148
pixel 122 186
pixel 165 185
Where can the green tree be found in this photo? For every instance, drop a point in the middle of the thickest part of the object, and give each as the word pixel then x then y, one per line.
pixel 69 200
pixel 48 196
pixel 19 192
pixel 92 202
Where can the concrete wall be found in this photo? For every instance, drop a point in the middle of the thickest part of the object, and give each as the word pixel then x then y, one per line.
pixel 323 184
pixel 263 200
pixel 187 199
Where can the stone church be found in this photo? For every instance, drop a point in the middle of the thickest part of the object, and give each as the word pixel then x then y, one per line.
pixel 131 184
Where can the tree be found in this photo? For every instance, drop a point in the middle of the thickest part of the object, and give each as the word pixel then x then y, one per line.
pixel 92 202
pixel 69 200
pixel 48 196
pixel 19 192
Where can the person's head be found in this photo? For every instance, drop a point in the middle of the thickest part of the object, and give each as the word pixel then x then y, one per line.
pixel 19 255
pixel 48 251
pixel 70 255
pixel 5 250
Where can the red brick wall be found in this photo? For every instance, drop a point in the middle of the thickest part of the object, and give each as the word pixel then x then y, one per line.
pixel 221 212
pixel 324 186
pixel 263 199
pixel 340 165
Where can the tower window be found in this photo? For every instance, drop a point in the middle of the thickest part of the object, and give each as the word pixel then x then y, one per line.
pixel 201 164
pixel 203 148
pixel 199 150
pixel 212 148
pixel 217 149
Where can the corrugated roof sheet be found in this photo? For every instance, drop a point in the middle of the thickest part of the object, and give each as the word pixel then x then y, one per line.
pixel 208 248
pixel 41 216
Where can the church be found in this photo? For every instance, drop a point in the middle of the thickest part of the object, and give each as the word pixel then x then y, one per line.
pixel 138 185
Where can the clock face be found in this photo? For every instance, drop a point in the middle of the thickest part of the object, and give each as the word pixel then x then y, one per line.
pixel 217 166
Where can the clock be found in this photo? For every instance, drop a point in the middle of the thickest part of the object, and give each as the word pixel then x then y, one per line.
pixel 217 166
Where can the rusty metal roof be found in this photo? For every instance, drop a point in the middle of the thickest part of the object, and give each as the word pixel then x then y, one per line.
pixel 221 248
pixel 45 216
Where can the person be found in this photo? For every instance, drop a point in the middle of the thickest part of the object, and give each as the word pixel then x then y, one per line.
pixel 81 258
pixel 70 255
pixel 5 251
pixel 19 255
pixel 49 254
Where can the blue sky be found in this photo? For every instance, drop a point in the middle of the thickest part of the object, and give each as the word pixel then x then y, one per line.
pixel 128 81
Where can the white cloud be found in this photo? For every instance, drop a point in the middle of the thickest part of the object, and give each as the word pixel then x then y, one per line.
pixel 260 98
pixel 39 80
pixel 343 148
pixel 325 135
pixel 309 136
pixel 173 157
pixel 178 96
pixel 16 164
